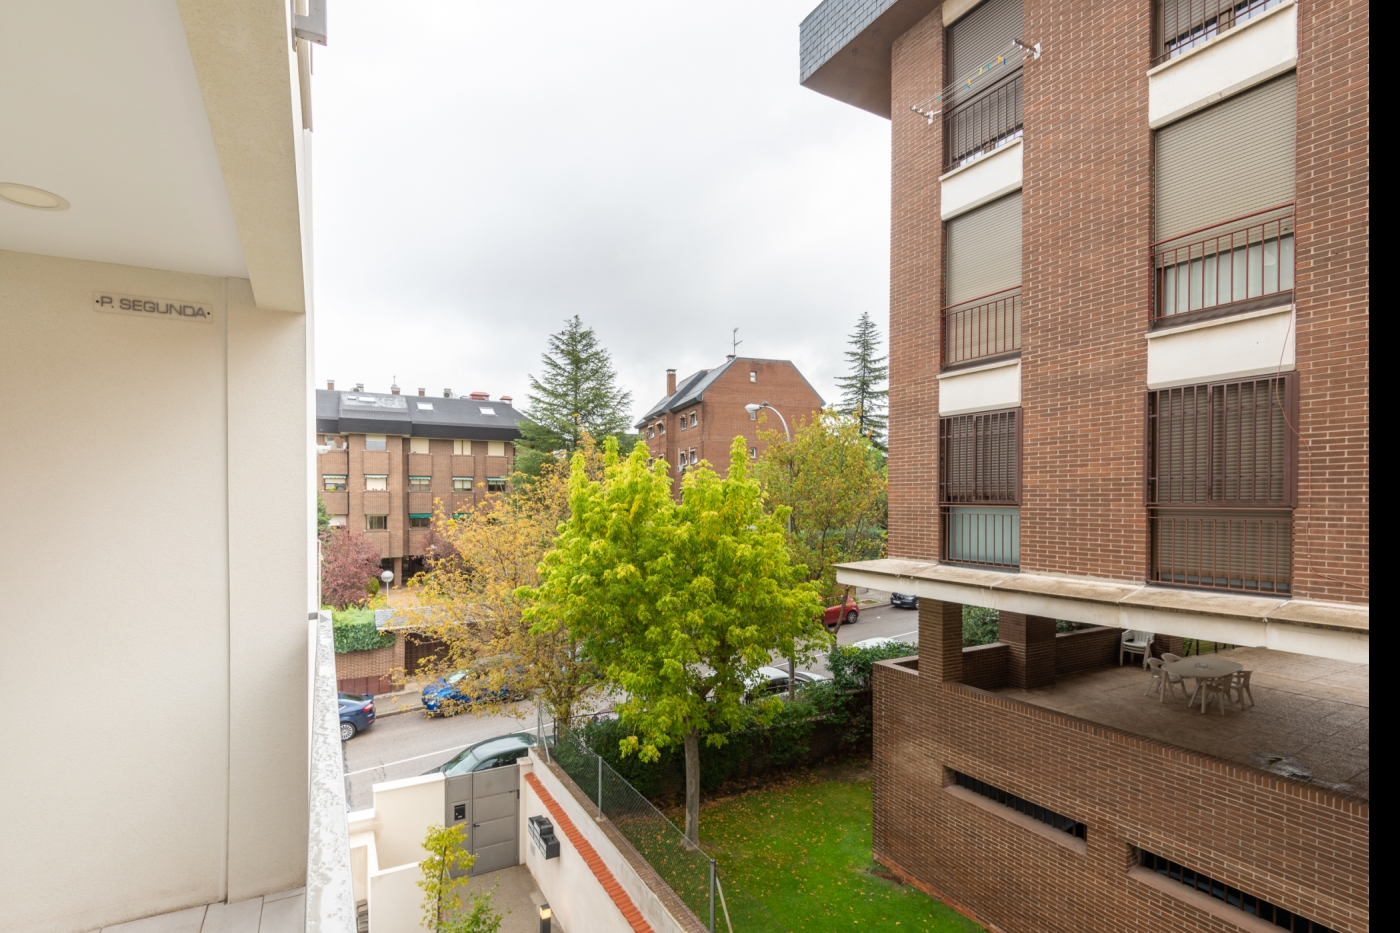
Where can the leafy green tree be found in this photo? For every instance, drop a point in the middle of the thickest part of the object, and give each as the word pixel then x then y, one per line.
pixel 677 602
pixel 861 395
pixel 577 394
pixel 323 516
pixel 831 481
pixel 446 909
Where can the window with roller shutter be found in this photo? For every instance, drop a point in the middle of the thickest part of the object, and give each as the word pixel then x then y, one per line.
pixel 982 317
pixel 979 487
pixel 983 107
pixel 1221 479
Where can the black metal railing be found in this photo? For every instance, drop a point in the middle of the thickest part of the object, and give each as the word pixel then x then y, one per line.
pixel 1184 24
pixel 982 536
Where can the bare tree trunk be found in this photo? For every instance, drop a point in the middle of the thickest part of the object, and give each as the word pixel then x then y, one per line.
pixel 692 786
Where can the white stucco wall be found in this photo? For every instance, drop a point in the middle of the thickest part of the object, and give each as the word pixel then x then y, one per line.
pixel 403 811
pixel 980 388
pixel 983 181
pixel 1251 344
pixel 1249 54
pixel 569 885
pixel 154 483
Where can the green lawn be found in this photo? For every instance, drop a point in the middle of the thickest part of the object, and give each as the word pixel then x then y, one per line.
pixel 801 850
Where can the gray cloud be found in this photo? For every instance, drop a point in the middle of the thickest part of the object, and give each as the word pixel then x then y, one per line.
pixel 482 171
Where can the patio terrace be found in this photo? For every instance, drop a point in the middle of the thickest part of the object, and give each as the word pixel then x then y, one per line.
pixel 1310 721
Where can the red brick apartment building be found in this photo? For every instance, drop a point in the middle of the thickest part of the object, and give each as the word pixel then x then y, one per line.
pixel 382 460
pixel 700 415
pixel 1129 388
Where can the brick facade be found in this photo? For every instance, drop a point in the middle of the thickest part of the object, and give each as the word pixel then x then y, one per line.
pixel 1301 847
pixel 720 413
pixel 1086 285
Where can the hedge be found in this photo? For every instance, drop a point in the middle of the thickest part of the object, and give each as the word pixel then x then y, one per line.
pixel 355 631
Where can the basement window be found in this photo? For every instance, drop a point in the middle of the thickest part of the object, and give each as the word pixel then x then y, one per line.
pixel 1248 903
pixel 1036 812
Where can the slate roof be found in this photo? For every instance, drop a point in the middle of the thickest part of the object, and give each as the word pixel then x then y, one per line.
pixel 347 412
pixel 691 389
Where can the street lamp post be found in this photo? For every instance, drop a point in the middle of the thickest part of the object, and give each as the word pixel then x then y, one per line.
pixel 753 410
pixel 386 578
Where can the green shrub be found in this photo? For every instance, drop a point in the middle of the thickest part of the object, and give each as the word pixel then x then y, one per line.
pixel 850 666
pixel 979 626
pixel 354 631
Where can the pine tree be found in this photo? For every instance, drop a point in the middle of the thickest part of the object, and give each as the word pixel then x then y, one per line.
pixel 578 393
pixel 861 395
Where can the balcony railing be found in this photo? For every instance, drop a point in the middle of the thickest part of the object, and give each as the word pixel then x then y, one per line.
pixel 1184 24
pixel 979 124
pixel 980 327
pixel 984 536
pixel 1249 552
pixel 1216 268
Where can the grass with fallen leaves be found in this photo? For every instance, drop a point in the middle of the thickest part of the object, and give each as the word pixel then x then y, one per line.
pixel 796 857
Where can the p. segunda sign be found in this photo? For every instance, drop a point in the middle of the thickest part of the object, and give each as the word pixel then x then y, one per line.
pixel 171 308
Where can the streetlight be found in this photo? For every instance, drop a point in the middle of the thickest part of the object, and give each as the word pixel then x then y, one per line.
pixel 753 411
pixel 386 577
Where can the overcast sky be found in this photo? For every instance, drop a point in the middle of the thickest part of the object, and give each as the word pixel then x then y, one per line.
pixel 484 170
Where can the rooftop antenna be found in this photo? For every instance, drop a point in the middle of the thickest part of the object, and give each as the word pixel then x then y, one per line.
pixel 734 342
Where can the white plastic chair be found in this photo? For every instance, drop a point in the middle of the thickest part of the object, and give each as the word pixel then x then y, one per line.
pixel 1239 688
pixel 1135 643
pixel 1213 690
pixel 1162 680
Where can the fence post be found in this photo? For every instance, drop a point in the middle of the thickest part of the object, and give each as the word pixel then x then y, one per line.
pixel 600 787
pixel 712 896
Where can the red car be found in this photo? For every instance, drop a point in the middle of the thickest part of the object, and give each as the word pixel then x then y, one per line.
pixel 840 609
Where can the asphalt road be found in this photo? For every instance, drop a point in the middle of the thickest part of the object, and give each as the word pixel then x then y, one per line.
pixel 408 744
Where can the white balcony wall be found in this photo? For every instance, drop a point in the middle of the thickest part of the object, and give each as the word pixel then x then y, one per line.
pixel 1252 344
pixel 990 177
pixel 1249 54
pixel 980 388
pixel 155 488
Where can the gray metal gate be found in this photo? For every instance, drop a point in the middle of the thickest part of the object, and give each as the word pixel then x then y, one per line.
pixel 489 803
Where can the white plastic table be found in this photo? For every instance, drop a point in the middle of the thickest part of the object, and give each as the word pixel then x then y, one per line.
pixel 1199 668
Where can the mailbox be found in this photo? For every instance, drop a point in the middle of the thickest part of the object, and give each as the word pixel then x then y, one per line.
pixel 542 836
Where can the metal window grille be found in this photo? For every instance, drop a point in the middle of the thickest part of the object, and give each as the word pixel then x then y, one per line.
pixel 1036 812
pixel 980 123
pixel 1221 479
pixel 1185 24
pixel 1254 906
pixel 982 327
pixel 1240 262
pixel 1224 444
pixel 980 458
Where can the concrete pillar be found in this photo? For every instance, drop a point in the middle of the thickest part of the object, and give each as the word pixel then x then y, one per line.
pixel 1031 660
pixel 940 640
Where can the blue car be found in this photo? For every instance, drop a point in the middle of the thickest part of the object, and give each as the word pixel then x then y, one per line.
pixel 449 694
pixel 356 715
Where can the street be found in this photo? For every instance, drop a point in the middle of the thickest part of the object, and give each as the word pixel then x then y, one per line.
pixel 408 744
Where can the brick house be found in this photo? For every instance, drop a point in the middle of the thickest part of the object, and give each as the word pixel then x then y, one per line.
pixel 1129 388
pixel 700 415
pixel 383 460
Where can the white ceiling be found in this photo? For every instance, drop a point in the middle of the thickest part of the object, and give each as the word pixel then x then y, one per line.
pixel 99 104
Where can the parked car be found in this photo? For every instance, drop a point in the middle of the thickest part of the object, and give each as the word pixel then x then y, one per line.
pixel 882 642
pixel 356 715
pixel 490 753
pixel 904 601
pixel 458 689
pixel 774 680
pixel 840 609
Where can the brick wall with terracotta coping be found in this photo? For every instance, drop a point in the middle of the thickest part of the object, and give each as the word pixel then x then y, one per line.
pixel 1302 847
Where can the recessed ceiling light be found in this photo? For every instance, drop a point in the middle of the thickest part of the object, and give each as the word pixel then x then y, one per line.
pixel 37 198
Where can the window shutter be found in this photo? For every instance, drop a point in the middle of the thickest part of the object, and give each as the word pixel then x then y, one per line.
pixel 1229 160
pixel 980 35
pixel 984 250
pixel 1225 444
pixel 980 458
